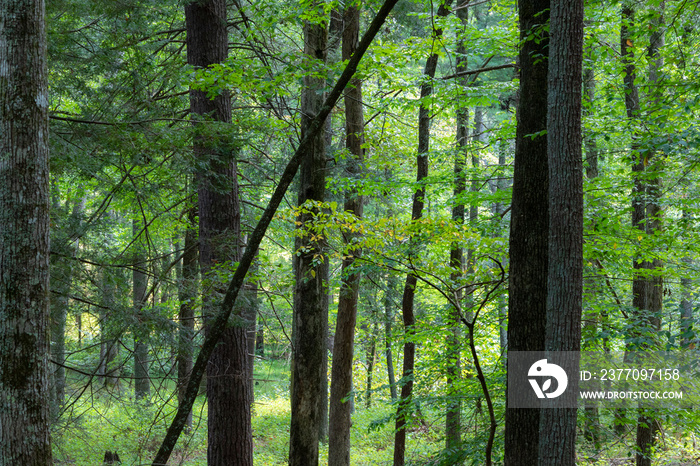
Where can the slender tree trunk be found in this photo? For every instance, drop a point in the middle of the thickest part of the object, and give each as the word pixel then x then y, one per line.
pixel 343 347
pixel 591 428
pixel 142 384
pixel 391 284
pixel 371 357
pixel 407 302
pixel 63 251
pixel 453 424
pixel 24 236
pixel 311 297
pixel 527 288
pixel 229 425
pixel 109 368
pixel 646 213
pixel 187 292
pixel 565 272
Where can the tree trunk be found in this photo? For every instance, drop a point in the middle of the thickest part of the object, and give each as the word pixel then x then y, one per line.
pixel 453 424
pixel 24 236
pixel 591 427
pixel 142 384
pixel 646 212
pixel 407 302
pixel 187 292
pixel 229 424
pixel 391 284
pixel 310 299
pixel 565 267
pixel 343 347
pixel 527 287
pixel 109 369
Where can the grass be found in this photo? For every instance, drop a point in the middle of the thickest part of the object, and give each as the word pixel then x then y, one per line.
pixel 98 421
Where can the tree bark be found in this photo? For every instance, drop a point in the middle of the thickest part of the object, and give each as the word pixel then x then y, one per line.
pixel 528 256
pixel 24 236
pixel 565 265
pixel 310 299
pixel 228 393
pixel 343 348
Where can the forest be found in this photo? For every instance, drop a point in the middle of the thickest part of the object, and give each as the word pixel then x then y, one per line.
pixel 327 232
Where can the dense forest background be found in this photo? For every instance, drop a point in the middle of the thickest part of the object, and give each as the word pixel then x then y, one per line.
pixel 409 254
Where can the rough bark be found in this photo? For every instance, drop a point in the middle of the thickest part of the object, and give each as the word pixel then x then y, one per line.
pixel 528 253
pixel 24 236
pixel 565 266
pixel 344 344
pixel 142 384
pixel 407 301
pixel 310 299
pixel 228 394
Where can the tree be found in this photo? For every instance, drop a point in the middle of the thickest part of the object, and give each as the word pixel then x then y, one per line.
pixel 343 348
pixel 407 301
pixel 228 393
pixel 309 379
pixel 24 236
pixel 565 264
pixel 529 227
pixel 142 384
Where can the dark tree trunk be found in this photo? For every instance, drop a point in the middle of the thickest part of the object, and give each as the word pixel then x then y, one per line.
pixel 527 287
pixel 109 368
pixel 407 301
pixel 343 347
pixel 371 357
pixel 142 384
pixel 63 250
pixel 453 424
pixel 187 293
pixel 389 304
pixel 646 212
pixel 24 236
pixel 592 427
pixel 565 272
pixel 310 299
pixel 229 425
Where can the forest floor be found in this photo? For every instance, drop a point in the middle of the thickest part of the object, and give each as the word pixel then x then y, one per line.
pixel 98 421
pixel 95 421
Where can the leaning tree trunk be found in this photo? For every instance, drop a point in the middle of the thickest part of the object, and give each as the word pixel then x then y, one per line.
pixel 407 302
pixel 310 298
pixel 528 256
pixel 565 271
pixel 343 347
pixel 24 236
pixel 228 393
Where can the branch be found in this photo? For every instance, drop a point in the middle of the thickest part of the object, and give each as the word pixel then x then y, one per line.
pixel 480 70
